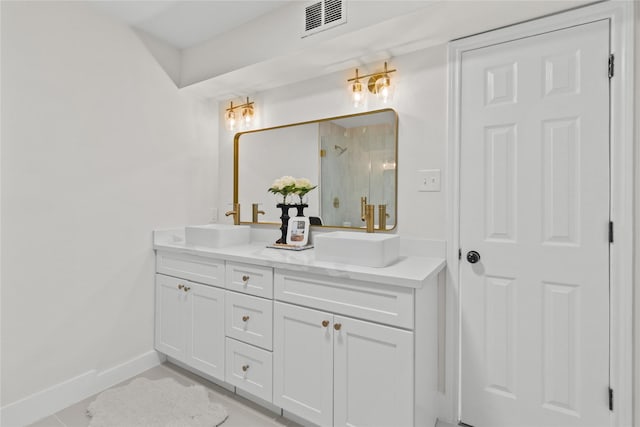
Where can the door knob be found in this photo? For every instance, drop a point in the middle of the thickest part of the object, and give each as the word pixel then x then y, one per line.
pixel 337 326
pixel 245 318
pixel 325 323
pixel 473 257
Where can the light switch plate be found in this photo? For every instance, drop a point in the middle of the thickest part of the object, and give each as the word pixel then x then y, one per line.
pixel 428 180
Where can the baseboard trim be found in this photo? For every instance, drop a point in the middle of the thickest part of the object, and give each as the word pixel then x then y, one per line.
pixel 57 397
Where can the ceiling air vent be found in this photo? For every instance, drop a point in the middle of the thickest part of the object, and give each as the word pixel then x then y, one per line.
pixel 313 17
pixel 323 15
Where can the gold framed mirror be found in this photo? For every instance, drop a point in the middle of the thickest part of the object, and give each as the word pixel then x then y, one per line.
pixel 348 157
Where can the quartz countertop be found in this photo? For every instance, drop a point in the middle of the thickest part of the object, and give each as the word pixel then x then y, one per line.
pixel 409 270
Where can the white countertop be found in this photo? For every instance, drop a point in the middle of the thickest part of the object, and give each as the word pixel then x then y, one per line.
pixel 408 271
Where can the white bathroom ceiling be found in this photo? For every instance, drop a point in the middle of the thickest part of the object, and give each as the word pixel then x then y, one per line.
pixel 232 48
pixel 186 23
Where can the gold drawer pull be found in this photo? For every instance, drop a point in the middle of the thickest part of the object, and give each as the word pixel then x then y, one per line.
pixel 245 318
pixel 187 288
pixel 245 278
pixel 337 326
pixel 325 323
pixel 245 368
pixel 180 286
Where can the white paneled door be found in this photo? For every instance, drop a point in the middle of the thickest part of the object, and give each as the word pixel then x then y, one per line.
pixel 534 223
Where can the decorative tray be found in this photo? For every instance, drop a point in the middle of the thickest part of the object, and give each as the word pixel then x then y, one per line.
pixel 290 247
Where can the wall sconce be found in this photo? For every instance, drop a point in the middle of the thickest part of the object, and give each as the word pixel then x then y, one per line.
pixel 247 115
pixel 379 84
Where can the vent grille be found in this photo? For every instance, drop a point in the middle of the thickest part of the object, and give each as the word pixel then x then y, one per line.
pixel 313 16
pixel 332 10
pixel 323 15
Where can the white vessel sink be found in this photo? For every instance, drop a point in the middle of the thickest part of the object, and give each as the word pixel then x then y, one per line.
pixel 217 235
pixel 367 249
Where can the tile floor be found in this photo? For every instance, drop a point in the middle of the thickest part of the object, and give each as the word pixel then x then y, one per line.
pixel 242 412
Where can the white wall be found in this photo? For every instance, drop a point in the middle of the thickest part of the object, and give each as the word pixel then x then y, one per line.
pixel 98 149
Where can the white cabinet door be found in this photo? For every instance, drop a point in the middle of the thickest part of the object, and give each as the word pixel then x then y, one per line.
pixel 205 329
pixel 303 362
pixel 373 374
pixel 170 324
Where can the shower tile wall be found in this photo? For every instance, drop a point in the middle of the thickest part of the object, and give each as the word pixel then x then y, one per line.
pixel 357 162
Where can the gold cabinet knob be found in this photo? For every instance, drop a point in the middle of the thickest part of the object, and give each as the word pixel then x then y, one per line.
pixel 245 278
pixel 337 326
pixel 325 323
pixel 180 286
pixel 245 368
pixel 187 288
pixel 245 318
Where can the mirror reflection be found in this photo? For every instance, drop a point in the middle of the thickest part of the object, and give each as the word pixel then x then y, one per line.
pixel 351 159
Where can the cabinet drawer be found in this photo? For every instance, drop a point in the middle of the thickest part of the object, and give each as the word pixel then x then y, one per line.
pixel 392 305
pixel 191 267
pixel 249 368
pixel 250 279
pixel 249 319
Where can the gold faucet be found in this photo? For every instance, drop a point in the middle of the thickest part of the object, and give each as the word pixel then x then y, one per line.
pixel 369 217
pixel 363 203
pixel 235 212
pixel 255 212
pixel 382 217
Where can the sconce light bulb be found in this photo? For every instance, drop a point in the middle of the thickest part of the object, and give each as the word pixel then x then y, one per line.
pixel 357 94
pixel 384 89
pixel 247 116
pixel 231 119
pixel 385 93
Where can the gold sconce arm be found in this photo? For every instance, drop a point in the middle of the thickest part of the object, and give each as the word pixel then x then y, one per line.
pixel 376 74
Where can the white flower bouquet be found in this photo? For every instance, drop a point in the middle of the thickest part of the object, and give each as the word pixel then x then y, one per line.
pixel 286 185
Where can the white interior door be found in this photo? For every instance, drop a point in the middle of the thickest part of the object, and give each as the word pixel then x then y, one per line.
pixel 534 204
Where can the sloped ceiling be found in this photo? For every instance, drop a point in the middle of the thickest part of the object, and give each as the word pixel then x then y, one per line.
pixel 186 23
pixel 261 48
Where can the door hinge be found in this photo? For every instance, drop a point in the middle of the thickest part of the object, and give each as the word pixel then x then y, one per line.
pixel 610 231
pixel 459 253
pixel 610 399
pixel 611 65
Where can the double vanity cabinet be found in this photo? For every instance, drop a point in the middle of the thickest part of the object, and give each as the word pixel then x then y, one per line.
pixel 332 344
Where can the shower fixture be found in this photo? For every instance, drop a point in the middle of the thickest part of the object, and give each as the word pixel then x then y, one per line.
pixel 340 149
